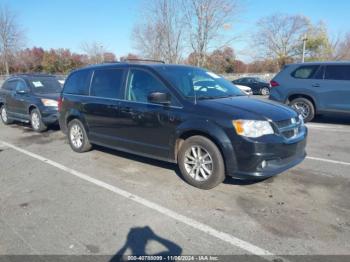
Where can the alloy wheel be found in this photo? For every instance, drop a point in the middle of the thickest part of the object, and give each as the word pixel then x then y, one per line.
pixel 265 91
pixel 302 108
pixel 76 136
pixel 35 121
pixel 198 163
pixel 4 114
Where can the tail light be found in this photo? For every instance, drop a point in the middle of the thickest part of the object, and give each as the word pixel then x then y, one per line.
pixel 59 104
pixel 273 83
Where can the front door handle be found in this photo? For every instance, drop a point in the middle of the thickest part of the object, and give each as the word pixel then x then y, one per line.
pixel 316 85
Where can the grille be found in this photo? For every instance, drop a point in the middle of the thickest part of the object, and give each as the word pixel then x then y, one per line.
pixel 289 128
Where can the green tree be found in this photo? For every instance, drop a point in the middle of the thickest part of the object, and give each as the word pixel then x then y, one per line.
pixel 318 45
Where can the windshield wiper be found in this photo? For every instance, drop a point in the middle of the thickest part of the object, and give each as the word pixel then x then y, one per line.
pixel 214 97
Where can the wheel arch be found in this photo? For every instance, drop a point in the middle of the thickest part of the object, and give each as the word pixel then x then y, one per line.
pixel 75 114
pixel 210 131
pixel 31 108
pixel 291 97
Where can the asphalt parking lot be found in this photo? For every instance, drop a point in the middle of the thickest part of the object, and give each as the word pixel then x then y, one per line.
pixel 57 202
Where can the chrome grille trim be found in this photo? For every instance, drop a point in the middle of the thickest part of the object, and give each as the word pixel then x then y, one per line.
pixel 289 128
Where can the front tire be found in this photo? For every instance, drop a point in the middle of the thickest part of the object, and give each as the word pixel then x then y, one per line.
pixel 305 107
pixel 36 121
pixel 4 116
pixel 201 163
pixel 77 137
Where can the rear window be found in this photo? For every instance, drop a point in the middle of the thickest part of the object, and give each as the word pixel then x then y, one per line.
pixel 44 85
pixel 107 83
pixel 78 83
pixel 337 72
pixel 305 72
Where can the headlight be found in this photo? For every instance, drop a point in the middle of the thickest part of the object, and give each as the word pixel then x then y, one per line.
pixel 252 128
pixel 49 102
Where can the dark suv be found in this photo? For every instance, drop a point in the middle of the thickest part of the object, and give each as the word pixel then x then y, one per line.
pixel 314 88
pixel 181 114
pixel 30 98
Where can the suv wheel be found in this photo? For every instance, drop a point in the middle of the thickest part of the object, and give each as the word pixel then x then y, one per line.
pixel 36 121
pixel 265 91
pixel 201 163
pixel 77 137
pixel 305 107
pixel 4 117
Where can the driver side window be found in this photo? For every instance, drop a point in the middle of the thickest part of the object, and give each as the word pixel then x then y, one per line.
pixel 21 86
pixel 141 84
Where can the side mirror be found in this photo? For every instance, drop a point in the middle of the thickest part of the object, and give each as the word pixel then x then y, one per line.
pixel 159 98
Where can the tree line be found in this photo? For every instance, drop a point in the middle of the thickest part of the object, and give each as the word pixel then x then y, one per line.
pixel 195 32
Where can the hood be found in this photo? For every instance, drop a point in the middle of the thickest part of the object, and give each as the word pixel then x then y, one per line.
pixel 53 96
pixel 250 108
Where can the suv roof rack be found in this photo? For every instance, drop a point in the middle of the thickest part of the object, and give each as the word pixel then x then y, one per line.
pixel 142 60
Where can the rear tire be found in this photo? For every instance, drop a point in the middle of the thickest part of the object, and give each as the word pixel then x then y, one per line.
pixel 201 163
pixel 4 116
pixel 305 107
pixel 36 121
pixel 77 137
pixel 265 91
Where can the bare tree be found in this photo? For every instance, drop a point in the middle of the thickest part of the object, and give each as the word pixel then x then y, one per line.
pixel 11 36
pixel 279 36
pixel 161 36
pixel 205 22
pixel 95 52
pixel 342 48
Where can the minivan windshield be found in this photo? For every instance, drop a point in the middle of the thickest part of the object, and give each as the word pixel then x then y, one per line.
pixel 197 83
pixel 45 85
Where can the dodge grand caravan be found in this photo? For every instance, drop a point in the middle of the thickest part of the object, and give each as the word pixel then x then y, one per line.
pixel 181 114
pixel 314 88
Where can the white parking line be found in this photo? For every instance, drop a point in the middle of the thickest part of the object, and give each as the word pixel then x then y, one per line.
pixel 234 241
pixel 328 160
pixel 329 127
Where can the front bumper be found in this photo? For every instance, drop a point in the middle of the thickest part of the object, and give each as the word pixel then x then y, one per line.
pixel 50 116
pixel 259 160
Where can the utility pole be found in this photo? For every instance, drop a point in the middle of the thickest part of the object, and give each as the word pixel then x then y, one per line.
pixel 304 47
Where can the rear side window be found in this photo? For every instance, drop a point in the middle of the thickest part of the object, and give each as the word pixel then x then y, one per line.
pixel 107 83
pixel 305 72
pixel 337 72
pixel 78 83
pixel 10 85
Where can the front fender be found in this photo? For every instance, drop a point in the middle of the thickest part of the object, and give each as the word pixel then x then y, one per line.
pixel 212 131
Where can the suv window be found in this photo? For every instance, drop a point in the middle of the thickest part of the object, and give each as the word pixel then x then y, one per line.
pixel 338 72
pixel 21 85
pixel 107 83
pixel 141 84
pixel 10 85
pixel 305 72
pixel 78 83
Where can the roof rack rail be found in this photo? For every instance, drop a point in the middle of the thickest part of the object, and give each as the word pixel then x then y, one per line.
pixel 142 60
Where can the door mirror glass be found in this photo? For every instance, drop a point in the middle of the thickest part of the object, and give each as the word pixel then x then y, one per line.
pixel 159 98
